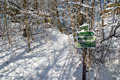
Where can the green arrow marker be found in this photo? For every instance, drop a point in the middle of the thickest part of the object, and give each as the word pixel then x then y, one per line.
pixel 85 34
pixel 87 44
pixel 87 38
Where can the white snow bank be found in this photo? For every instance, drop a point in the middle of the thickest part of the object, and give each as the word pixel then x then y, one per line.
pixel 51 58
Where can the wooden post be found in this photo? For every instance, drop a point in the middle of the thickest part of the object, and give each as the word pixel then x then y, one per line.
pixel 35 4
pixel 73 27
pixel 84 64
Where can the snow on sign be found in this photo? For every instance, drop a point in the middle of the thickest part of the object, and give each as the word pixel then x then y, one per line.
pixel 84 27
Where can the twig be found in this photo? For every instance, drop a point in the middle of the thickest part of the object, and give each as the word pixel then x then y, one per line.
pixel 112 34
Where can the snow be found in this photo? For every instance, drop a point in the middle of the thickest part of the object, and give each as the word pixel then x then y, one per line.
pixel 85 5
pixel 79 3
pixel 53 55
pixel 112 8
pixel 49 60
pixel 71 2
pixel 52 58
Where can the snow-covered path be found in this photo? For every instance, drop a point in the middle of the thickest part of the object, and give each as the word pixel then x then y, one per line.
pixel 52 59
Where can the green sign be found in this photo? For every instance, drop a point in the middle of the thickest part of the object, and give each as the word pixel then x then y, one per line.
pixel 86 44
pixel 85 27
pixel 85 34
pixel 86 38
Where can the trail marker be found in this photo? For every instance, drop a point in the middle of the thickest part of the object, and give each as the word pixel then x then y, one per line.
pixel 85 38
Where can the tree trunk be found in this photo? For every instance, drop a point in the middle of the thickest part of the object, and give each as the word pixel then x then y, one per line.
pixel 102 21
pixel 35 4
pixel 92 23
pixel 26 24
pixel 5 22
pixel 58 20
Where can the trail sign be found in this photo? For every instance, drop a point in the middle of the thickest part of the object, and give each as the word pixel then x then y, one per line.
pixel 85 44
pixel 88 44
pixel 85 34
pixel 86 38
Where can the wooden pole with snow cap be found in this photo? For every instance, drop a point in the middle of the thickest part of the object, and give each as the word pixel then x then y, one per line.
pixel 85 39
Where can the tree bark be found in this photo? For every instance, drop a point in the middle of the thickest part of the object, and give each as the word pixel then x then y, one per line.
pixel 58 20
pixel 26 24
pixel 5 22
pixel 93 5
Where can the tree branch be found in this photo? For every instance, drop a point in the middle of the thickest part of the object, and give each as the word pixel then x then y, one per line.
pixel 113 34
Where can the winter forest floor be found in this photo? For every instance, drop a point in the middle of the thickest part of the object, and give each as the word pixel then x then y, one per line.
pixel 66 37
pixel 50 59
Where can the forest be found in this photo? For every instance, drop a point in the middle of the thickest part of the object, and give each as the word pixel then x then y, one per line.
pixel 59 39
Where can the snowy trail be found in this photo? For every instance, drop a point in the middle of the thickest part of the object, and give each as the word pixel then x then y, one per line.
pixel 49 60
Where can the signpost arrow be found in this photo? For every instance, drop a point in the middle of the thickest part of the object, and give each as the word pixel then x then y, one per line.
pixel 88 44
pixel 85 33
pixel 86 38
pixel 85 44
